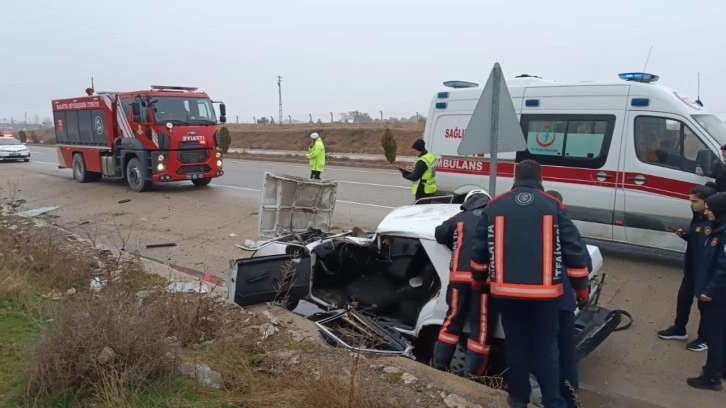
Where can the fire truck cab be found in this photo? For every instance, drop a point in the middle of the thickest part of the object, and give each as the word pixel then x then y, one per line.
pixel 167 133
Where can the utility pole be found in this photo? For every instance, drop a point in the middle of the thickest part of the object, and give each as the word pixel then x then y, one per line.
pixel 279 91
pixel 331 117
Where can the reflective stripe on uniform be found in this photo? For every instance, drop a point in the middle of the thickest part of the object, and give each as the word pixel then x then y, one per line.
pixel 547 225
pixel 527 291
pixel 483 318
pixel 454 307
pixel 479 267
pixel 477 347
pixel 457 249
pixel 499 248
pixel 456 276
pixel 577 272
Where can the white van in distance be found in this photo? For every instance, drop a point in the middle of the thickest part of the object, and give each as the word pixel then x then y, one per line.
pixel 624 155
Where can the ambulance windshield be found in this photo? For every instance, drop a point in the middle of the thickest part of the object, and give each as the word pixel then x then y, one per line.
pixel 183 111
pixel 715 126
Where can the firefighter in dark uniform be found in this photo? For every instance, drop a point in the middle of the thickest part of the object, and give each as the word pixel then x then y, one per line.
pixel 566 338
pixel 468 300
pixel 526 245
pixel 710 288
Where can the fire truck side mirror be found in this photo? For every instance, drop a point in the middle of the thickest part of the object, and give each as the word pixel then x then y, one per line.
pixel 222 113
pixel 136 110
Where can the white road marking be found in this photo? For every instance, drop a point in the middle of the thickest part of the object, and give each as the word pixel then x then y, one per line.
pixel 50 164
pixel 374 184
pixel 337 201
pixel 297 166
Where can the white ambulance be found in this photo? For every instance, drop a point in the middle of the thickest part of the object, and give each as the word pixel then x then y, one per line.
pixel 624 155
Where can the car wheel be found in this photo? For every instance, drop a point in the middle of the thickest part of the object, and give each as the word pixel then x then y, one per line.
pixel 135 176
pixel 26 160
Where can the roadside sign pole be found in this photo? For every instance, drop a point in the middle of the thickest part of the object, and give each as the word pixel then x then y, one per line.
pixel 494 135
pixel 493 115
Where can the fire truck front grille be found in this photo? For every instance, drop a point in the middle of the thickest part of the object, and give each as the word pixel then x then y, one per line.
pixel 202 168
pixel 193 156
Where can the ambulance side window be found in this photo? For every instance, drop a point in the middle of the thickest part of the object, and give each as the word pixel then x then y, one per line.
pixel 667 142
pixel 567 140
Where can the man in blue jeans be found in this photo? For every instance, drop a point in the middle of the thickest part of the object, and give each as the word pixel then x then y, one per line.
pixel 566 337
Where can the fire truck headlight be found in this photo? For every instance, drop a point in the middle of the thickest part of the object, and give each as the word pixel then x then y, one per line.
pixel 219 162
pixel 219 155
pixel 160 167
pixel 160 157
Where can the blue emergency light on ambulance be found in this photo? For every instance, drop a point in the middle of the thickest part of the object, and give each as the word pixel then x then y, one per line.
pixel 638 76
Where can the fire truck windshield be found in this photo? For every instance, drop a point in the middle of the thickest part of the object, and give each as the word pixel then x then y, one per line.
pixel 183 111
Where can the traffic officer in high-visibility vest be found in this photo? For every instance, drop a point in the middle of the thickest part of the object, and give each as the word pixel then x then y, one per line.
pixel 525 244
pixel 424 172
pixel 316 156
pixel 468 300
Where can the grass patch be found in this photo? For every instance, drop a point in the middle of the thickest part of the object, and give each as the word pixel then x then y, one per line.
pixel 17 330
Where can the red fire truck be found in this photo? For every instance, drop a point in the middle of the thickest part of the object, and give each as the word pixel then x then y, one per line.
pixel 167 133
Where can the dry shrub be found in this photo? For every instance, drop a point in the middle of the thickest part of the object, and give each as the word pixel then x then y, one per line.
pixel 48 263
pixel 344 388
pixel 13 283
pixel 97 343
pixel 191 318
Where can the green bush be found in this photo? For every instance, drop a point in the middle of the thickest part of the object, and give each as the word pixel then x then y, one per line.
pixel 22 136
pixel 225 140
pixel 389 146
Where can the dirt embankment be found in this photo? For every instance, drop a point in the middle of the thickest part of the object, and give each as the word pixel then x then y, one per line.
pixel 363 139
pixel 338 138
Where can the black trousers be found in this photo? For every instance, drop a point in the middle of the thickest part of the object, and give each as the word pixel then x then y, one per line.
pixel 714 331
pixel 315 174
pixel 684 303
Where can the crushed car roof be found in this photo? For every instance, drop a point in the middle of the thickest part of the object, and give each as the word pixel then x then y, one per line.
pixel 417 221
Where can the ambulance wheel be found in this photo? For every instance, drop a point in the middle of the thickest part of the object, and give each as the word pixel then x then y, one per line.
pixel 201 182
pixel 135 176
pixel 80 173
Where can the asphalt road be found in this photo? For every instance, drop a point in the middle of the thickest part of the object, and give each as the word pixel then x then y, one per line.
pixel 204 223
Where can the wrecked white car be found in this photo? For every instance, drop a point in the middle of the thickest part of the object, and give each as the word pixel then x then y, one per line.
pixel 381 291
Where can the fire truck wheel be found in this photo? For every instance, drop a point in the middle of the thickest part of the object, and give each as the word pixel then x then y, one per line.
pixel 135 176
pixel 80 174
pixel 201 182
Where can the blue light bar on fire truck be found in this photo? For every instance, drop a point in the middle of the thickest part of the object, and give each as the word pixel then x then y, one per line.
pixel 638 77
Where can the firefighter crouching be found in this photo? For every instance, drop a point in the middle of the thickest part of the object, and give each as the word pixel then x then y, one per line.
pixel 525 243
pixel 468 300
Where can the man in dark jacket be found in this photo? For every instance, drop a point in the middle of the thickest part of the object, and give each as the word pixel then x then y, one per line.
pixel 695 260
pixel 468 300
pixel 423 174
pixel 526 244
pixel 710 286
pixel 566 338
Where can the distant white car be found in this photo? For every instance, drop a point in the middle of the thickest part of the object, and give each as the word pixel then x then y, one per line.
pixel 382 291
pixel 13 149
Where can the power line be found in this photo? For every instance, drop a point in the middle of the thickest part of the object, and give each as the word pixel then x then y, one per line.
pixel 279 90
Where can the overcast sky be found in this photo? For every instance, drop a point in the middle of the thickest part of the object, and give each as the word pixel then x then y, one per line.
pixel 342 55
